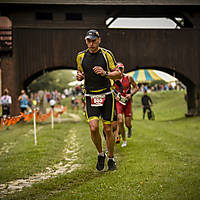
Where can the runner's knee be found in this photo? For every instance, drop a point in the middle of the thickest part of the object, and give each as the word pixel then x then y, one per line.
pixel 120 121
pixel 93 128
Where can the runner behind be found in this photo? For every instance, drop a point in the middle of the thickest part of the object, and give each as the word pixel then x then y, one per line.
pixel 123 102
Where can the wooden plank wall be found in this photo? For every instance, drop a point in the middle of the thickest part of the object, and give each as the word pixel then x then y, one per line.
pixel 38 49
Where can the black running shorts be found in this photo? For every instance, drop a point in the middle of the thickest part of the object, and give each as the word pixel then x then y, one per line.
pixel 106 112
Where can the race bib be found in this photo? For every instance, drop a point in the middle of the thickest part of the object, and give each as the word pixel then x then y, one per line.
pixel 123 100
pixel 97 100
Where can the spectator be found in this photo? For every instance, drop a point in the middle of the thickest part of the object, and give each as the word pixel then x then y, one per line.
pixel 52 103
pixel 23 100
pixel 74 102
pixel 146 104
pixel 5 102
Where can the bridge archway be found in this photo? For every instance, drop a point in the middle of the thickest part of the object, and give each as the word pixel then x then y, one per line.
pixel 43 72
pixel 52 34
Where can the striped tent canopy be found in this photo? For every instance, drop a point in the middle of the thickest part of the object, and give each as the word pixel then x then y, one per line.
pixel 144 75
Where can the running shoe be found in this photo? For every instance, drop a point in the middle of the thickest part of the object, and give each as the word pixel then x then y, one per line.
pixel 117 141
pixel 129 133
pixel 111 164
pixel 124 144
pixel 100 162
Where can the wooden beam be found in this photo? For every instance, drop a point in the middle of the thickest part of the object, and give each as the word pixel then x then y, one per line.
pixel 104 2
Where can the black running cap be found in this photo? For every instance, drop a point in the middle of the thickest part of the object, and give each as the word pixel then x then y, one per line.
pixel 92 34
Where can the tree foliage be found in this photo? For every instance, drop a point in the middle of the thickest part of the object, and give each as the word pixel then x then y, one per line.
pixel 50 81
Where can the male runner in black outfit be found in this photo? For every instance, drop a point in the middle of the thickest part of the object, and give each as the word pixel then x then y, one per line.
pixel 145 103
pixel 97 66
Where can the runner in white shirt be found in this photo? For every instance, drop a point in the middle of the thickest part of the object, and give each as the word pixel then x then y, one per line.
pixel 52 103
pixel 5 101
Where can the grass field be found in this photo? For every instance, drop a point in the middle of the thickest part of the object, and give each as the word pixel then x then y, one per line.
pixel 161 161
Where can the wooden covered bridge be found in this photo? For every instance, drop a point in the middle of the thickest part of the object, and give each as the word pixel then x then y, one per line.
pixel 45 35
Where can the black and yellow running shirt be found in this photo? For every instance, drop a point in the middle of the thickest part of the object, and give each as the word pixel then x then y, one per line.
pixel 85 63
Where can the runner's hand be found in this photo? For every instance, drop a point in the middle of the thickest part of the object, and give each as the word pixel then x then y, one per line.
pixel 80 75
pixel 128 96
pixel 118 97
pixel 99 70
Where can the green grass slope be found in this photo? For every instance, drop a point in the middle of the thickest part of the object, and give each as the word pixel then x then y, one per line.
pixel 160 162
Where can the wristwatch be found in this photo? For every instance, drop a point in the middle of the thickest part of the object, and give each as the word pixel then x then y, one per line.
pixel 106 74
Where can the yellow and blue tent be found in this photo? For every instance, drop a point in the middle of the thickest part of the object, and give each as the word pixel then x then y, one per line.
pixel 144 75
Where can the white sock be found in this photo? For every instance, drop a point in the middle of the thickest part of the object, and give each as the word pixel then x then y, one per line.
pixel 111 159
pixel 101 154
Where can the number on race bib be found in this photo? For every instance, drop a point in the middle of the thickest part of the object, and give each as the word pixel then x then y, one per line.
pixel 97 100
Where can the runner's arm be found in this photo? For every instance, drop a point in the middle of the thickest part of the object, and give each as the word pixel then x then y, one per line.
pixel 20 98
pixel 114 74
pixel 27 98
pixel 79 76
pixel 80 73
pixel 150 100
pixel 136 88
pixel 131 92
pixel 10 100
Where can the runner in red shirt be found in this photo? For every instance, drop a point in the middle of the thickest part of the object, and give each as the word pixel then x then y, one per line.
pixel 123 102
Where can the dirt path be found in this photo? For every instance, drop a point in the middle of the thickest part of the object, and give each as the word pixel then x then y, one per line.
pixel 70 117
pixel 70 156
pixel 6 147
